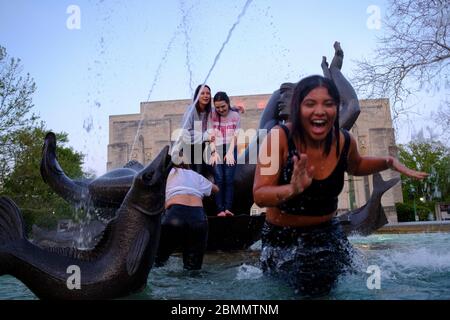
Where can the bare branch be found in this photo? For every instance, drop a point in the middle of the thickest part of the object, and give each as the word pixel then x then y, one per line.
pixel 412 55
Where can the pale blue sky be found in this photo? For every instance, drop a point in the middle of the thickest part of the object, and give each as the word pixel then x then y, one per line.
pixel 119 54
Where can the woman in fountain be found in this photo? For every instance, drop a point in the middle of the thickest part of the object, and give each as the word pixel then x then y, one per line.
pixel 184 224
pixel 302 241
pixel 222 130
pixel 195 121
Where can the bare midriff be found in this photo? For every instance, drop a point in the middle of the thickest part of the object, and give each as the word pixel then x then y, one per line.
pixel 277 217
pixel 185 199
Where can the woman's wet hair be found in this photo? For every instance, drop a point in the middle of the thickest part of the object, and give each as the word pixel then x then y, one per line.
pixel 222 96
pixel 301 90
pixel 196 93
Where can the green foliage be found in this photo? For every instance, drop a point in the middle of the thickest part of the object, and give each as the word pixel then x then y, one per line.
pixel 424 209
pixel 432 157
pixel 405 211
pixel 16 92
pixel 25 185
pixel 21 139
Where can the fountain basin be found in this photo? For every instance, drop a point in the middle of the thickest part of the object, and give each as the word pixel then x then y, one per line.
pixel 414 266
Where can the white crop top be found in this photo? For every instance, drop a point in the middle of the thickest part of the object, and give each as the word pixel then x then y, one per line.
pixel 183 181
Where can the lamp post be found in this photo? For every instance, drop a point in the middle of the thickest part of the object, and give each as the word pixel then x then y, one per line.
pixel 351 192
pixel 413 196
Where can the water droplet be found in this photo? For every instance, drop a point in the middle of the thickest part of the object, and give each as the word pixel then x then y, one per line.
pixel 88 124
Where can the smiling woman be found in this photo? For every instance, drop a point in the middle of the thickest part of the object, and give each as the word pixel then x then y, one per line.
pixel 302 241
pixel 223 129
pixel 318 113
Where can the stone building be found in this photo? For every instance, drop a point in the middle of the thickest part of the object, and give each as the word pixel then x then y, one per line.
pixel 157 121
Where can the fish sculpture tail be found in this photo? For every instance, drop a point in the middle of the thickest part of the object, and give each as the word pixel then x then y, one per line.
pixel 75 192
pixel 371 216
pixel 11 229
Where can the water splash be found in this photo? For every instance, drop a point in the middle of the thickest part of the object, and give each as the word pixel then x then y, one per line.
pixel 88 124
pixel 187 42
pixel 256 246
pixel 399 259
pixel 157 75
pixel 92 136
pixel 415 261
pixel 248 272
pixel 419 265
pixel 230 32
pixel 216 59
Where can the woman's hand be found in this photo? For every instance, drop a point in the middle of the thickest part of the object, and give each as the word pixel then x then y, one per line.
pixel 229 158
pixel 396 165
pixel 240 109
pixel 214 159
pixel 302 175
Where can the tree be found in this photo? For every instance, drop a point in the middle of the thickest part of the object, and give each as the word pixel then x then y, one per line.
pixel 429 156
pixel 21 138
pixel 16 92
pixel 25 185
pixel 442 120
pixel 413 54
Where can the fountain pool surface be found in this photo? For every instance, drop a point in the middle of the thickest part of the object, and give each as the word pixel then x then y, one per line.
pixel 412 266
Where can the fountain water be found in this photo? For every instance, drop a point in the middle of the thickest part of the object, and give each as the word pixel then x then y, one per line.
pixel 88 225
pixel 216 59
pixel 412 267
pixel 247 272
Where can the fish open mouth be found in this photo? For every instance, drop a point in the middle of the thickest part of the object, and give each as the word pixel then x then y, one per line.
pixel 168 163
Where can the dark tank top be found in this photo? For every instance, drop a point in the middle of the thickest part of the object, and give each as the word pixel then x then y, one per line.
pixel 321 197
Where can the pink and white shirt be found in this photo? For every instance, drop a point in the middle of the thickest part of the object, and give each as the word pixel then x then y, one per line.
pixel 224 128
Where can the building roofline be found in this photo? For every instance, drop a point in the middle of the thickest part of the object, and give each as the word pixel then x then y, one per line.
pixel 233 96
pixel 125 115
